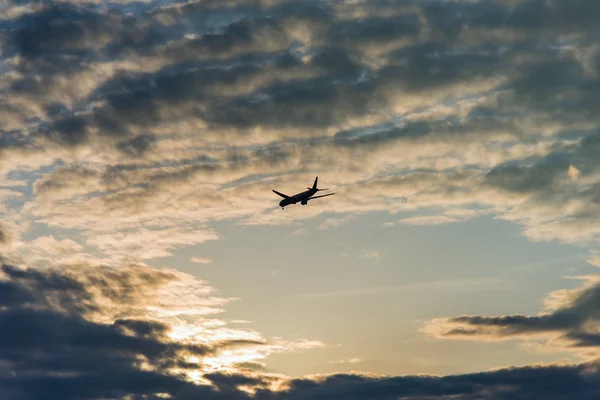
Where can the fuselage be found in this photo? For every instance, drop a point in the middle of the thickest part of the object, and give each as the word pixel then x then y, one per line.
pixel 298 198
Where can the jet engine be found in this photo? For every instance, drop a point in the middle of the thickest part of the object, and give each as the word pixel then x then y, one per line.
pixel 303 202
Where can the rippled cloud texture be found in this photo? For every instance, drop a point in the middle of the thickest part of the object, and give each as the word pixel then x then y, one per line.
pixel 128 127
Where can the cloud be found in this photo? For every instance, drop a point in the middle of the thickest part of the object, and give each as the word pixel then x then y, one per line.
pixel 427 220
pixel 164 89
pixel 570 322
pixel 347 361
pixel 447 284
pixel 148 243
pixel 548 381
pixel 201 260
pixel 301 231
pixel 136 125
pixel 67 331
pixel 370 255
pixel 573 172
pixel 77 328
pixel 50 313
pixel 451 215
pixel 330 223
pixel 5 236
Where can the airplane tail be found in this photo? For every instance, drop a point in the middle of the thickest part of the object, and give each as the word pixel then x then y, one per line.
pixel 314 187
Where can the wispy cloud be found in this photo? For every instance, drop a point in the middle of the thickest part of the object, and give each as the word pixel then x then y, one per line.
pixel 569 322
pixel 331 223
pixel 372 255
pixel 449 285
pixel 428 220
pixel 347 361
pixel 201 260
pixel 301 231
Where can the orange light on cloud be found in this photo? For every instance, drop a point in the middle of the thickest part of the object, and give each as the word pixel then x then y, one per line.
pixel 201 260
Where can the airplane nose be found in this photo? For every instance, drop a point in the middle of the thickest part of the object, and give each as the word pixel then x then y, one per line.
pixel 281 203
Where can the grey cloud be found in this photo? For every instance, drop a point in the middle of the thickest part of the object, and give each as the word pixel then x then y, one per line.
pixel 573 322
pixel 376 30
pixel 59 27
pixel 5 235
pixel 62 38
pixel 565 17
pixel 433 65
pixel 60 291
pixel 138 145
pixel 538 177
pixel 303 103
pixel 142 328
pixel 245 36
pixel 545 177
pixel 545 19
pixel 143 100
pixel 448 128
pixel 65 180
pixel 49 348
pixel 550 382
pixel 297 102
pixel 554 85
pixel 70 131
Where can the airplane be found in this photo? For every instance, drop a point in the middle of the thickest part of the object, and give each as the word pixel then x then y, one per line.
pixel 302 197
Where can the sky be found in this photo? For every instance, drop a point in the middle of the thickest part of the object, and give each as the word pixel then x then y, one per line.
pixel 144 255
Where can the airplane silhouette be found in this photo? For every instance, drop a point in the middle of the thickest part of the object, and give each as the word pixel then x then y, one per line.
pixel 302 197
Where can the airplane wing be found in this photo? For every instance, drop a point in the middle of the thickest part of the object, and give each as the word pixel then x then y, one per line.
pixel 323 195
pixel 281 194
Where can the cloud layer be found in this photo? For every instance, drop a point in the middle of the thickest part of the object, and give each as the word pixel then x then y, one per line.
pixel 111 333
pixel 570 323
pixel 178 111
pixel 116 333
pixel 128 128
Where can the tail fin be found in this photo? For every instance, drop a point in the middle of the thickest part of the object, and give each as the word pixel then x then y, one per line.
pixel 315 184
